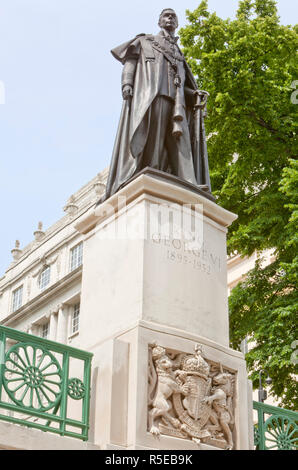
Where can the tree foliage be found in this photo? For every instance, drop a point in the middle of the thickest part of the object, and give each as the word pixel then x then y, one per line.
pixel 248 65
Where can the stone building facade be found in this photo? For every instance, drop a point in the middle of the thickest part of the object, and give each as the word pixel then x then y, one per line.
pixel 40 290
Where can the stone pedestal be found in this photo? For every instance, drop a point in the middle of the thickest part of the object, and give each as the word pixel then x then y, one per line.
pixel 154 275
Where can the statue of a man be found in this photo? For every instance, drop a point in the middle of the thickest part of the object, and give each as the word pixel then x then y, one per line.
pixel 161 124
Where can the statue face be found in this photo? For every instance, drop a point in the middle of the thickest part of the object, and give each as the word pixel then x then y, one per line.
pixel 168 20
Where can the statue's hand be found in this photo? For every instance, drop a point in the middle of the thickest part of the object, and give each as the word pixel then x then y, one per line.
pixel 201 97
pixel 201 93
pixel 127 92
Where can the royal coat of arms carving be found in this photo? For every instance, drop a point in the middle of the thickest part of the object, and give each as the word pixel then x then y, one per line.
pixel 190 397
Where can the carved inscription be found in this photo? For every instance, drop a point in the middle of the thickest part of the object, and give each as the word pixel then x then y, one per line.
pixel 197 255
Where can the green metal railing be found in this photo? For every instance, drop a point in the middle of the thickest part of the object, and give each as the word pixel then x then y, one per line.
pixel 277 428
pixel 44 384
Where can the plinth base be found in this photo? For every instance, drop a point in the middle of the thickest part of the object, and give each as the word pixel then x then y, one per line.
pixel 154 313
pixel 124 419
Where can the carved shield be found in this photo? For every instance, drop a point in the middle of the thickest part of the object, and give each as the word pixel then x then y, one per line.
pixel 192 402
pixel 192 409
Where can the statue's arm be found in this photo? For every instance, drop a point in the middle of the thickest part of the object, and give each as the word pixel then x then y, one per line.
pixel 190 96
pixel 128 76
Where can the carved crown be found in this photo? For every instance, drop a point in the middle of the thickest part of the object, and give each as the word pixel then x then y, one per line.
pixel 196 364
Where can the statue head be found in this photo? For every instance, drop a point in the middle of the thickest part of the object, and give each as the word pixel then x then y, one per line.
pixel 168 20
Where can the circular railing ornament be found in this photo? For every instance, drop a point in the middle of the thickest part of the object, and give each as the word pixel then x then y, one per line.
pixel 280 433
pixel 76 389
pixel 32 377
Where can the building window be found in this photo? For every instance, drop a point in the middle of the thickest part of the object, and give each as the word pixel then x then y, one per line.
pixel 44 278
pixel 76 256
pixel 17 298
pixel 75 319
pixel 45 330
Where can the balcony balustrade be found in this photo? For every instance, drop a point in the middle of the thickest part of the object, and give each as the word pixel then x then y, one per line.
pixel 276 429
pixel 44 384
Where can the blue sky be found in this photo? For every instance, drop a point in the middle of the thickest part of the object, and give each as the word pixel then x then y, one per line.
pixel 62 98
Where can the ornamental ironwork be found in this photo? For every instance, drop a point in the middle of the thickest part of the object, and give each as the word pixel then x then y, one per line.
pixel 35 386
pixel 257 438
pixel 32 377
pixel 76 389
pixel 280 433
pixel 277 428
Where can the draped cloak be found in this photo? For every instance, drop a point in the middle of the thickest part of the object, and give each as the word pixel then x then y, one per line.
pixel 132 135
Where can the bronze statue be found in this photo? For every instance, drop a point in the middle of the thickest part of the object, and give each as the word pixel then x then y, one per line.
pixel 162 119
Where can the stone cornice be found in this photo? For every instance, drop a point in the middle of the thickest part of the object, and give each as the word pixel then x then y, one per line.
pixel 36 303
pixel 38 245
pixel 156 187
pixel 156 327
pixel 37 261
pixel 85 198
pixel 235 260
